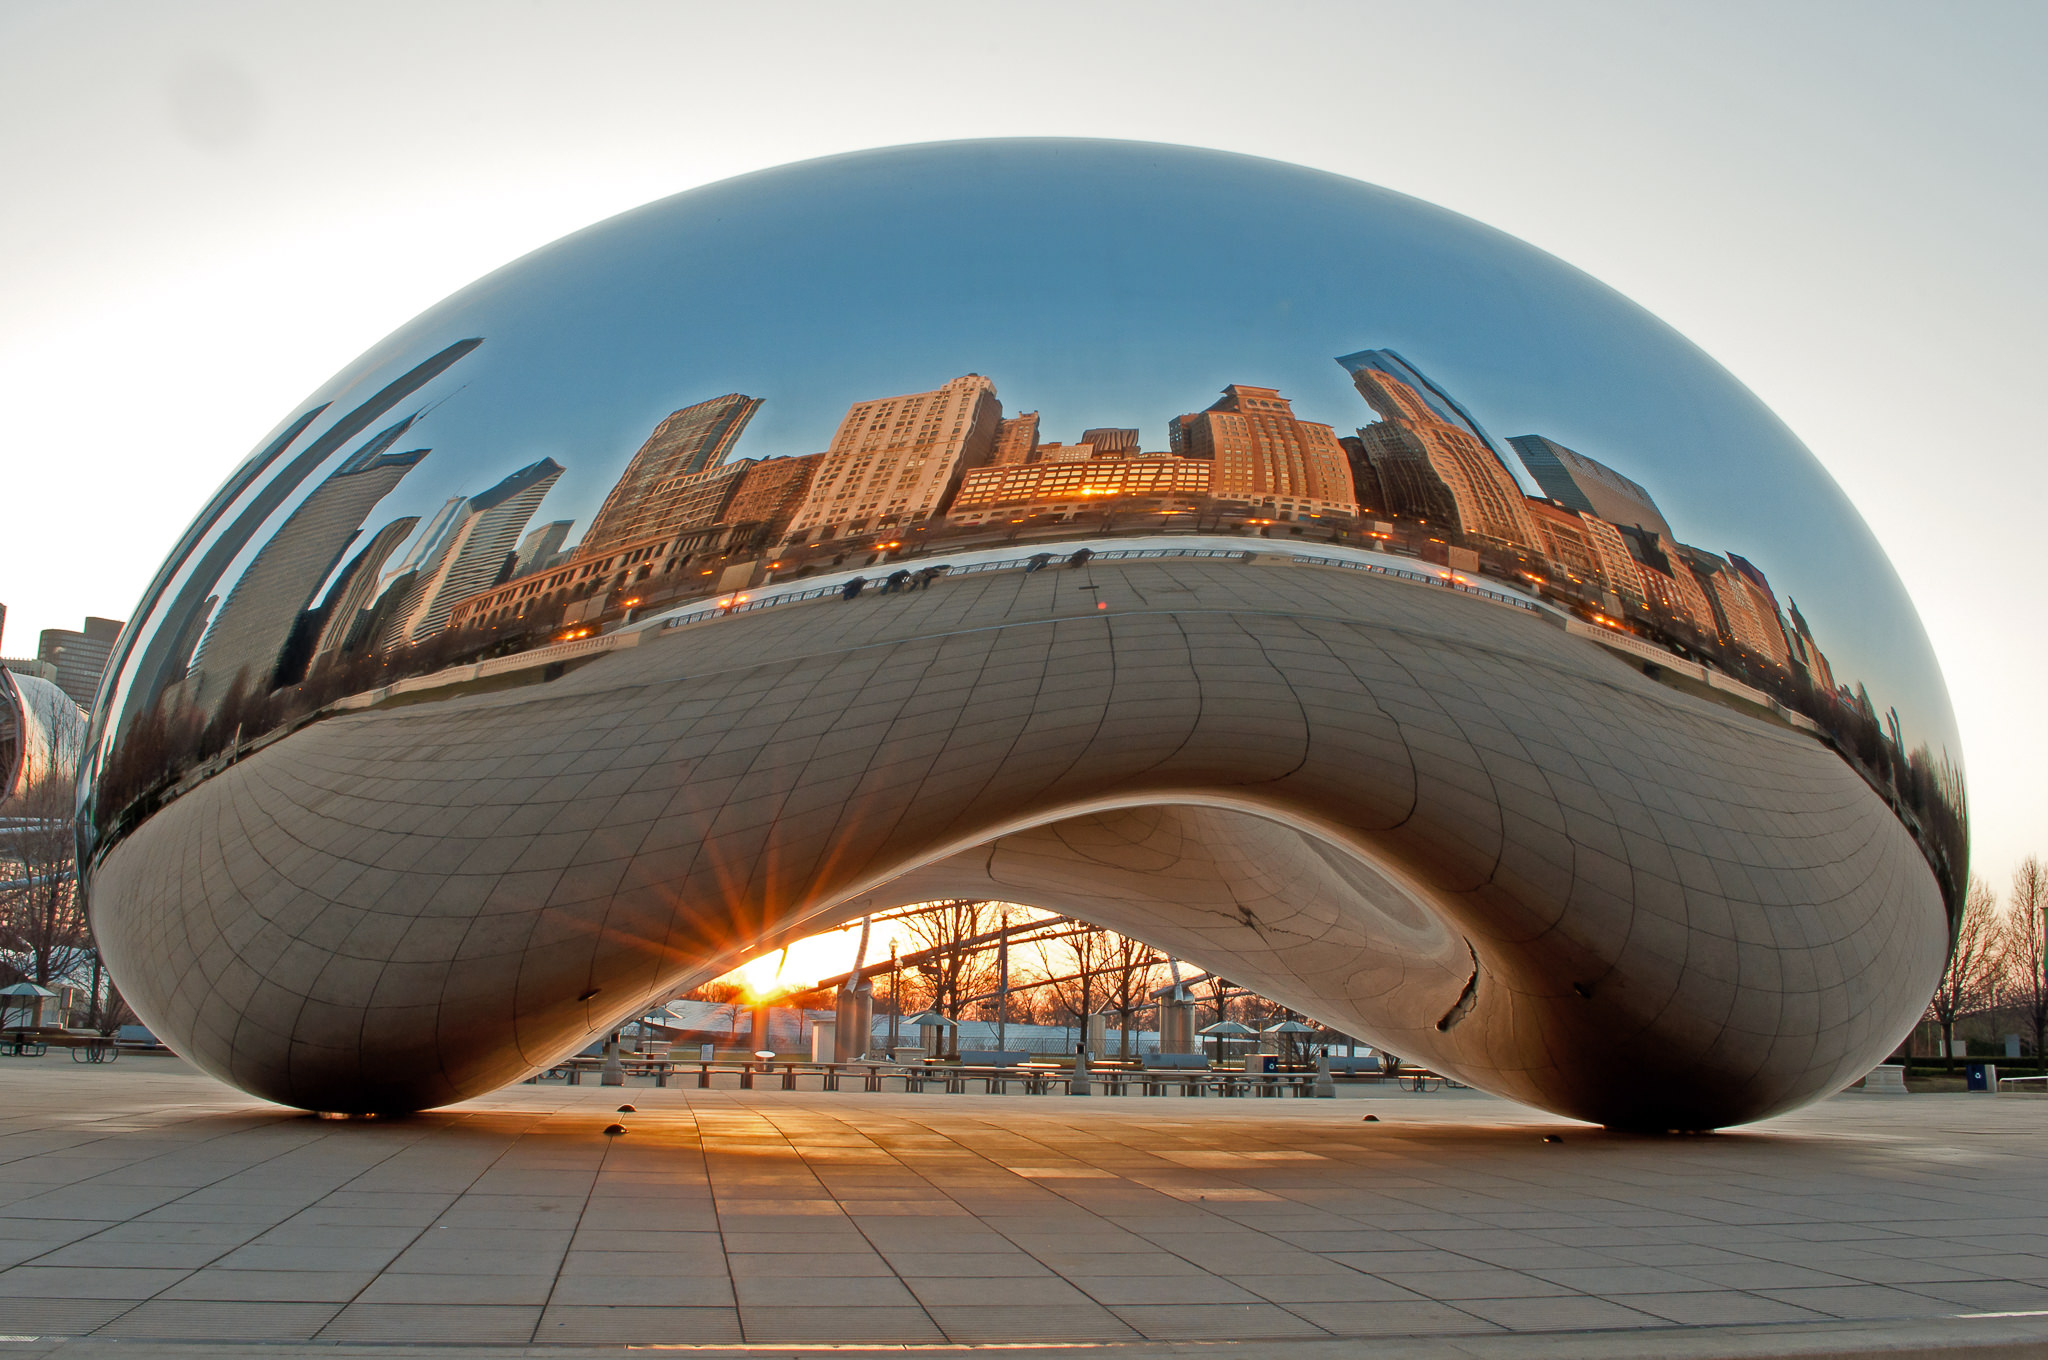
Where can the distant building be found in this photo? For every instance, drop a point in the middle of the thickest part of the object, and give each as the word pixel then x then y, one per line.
pixel 768 496
pixel 1807 653
pixel 896 461
pixel 1111 442
pixel 643 504
pixel 1579 482
pixel 541 546
pixel 350 597
pixel 748 498
pixel 77 660
pixel 256 621
pixel 1071 487
pixel 1744 624
pixel 474 552
pixel 1264 456
pixel 1016 439
pixel 1433 461
pixel 1434 404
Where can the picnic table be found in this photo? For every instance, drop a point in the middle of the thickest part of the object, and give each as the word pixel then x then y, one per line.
pixel 24 1043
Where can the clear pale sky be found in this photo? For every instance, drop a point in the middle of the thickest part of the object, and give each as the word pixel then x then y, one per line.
pixel 210 208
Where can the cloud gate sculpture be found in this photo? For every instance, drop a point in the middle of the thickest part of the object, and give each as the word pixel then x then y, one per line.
pixel 1317 585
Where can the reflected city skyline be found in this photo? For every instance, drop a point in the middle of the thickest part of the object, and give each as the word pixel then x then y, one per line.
pixel 695 513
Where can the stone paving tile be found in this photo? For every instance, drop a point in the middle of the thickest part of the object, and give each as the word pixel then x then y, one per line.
pixel 571 1325
pixel 57 1282
pixel 222 1321
pixel 1342 1287
pixel 1006 1291
pixel 61 1317
pixel 1720 1308
pixel 1454 1285
pixel 493 1288
pixel 783 1323
pixel 271 1286
pixel 417 1322
pixel 1420 1318
pixel 1203 1321
pixel 1572 1313
pixel 710 1291
pixel 996 1323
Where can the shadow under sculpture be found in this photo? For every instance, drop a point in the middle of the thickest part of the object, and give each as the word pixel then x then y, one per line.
pixel 451 736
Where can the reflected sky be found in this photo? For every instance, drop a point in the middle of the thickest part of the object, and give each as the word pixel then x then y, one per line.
pixel 1115 284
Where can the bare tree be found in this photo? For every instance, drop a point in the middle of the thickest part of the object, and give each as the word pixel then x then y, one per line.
pixel 1129 971
pixel 1968 983
pixel 957 967
pixel 2025 947
pixel 1076 989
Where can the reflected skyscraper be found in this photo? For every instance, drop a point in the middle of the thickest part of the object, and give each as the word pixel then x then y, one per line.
pixel 356 588
pixel 250 633
pixel 80 657
pixel 898 460
pixel 1579 482
pixel 644 502
pixel 1263 455
pixel 1016 438
pixel 1433 458
pixel 474 552
pixel 540 547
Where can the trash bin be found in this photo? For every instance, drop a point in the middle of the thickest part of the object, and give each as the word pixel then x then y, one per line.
pixel 1981 1076
pixel 1262 1062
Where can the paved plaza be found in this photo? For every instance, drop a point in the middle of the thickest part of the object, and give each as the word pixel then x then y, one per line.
pixel 149 1210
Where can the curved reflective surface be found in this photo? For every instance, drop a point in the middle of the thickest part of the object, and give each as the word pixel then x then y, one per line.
pixel 42 734
pixel 1314 583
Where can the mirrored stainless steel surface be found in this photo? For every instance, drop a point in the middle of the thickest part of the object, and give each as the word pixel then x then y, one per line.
pixel 1317 584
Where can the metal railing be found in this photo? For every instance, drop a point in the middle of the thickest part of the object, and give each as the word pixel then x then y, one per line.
pixel 1446 581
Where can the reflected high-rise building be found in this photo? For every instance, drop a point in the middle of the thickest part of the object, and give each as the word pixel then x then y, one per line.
pixel 473 554
pixel 1264 455
pixel 1574 480
pixel 1588 548
pixel 1433 460
pixel 256 621
pixel 540 547
pixel 898 460
pixel 80 657
pixel 768 496
pixel 1016 440
pixel 1746 623
pixel 349 598
pixel 643 502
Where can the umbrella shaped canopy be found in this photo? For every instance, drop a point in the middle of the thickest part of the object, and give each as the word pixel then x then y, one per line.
pixel 26 989
pixel 930 1020
pixel 1227 1029
pixel 1289 1027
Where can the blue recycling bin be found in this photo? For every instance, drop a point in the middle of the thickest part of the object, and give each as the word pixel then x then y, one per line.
pixel 1981 1076
pixel 1263 1062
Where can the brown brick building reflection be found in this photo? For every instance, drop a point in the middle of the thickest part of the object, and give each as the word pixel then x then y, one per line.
pixel 1264 456
pixel 654 495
